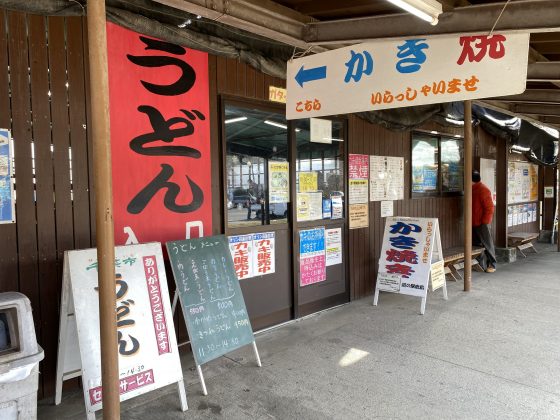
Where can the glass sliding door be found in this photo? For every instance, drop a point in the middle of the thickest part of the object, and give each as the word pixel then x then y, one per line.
pixel 256 201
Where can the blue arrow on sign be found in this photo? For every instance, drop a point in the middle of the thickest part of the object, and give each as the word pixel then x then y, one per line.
pixel 309 75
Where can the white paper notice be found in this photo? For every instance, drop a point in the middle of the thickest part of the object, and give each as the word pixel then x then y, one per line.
pixel 386 178
pixel 386 208
pixel 320 130
pixel 389 282
pixel 333 238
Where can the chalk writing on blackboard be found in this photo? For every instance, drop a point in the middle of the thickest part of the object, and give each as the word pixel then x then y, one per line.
pixel 210 295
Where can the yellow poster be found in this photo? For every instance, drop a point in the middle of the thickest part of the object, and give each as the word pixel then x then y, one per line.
pixel 358 216
pixel 278 182
pixel 307 181
pixel 534 177
pixel 437 275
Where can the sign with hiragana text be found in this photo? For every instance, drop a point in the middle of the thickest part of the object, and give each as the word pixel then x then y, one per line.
pixel 411 256
pixel 312 256
pixel 407 72
pixel 210 296
pixel 146 342
pixel 160 138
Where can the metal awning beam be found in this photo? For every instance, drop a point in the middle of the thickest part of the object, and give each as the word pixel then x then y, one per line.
pixel 544 72
pixel 261 17
pixel 537 109
pixel 534 96
pixel 519 16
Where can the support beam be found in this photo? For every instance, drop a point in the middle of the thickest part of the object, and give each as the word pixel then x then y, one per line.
pixel 550 120
pixel 544 71
pixel 539 96
pixel 519 16
pixel 262 17
pixel 99 81
pixel 500 215
pixel 467 208
pixel 537 109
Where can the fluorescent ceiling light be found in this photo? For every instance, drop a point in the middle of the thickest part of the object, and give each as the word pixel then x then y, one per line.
pixel 427 10
pixel 332 139
pixel 237 119
pixel 279 125
pixel 276 124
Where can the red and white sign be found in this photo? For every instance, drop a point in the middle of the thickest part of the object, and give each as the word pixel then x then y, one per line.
pixel 160 138
pixel 358 166
pixel 147 346
pixel 128 384
pixel 253 255
pixel 156 303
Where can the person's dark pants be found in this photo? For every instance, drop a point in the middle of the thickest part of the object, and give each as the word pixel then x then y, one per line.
pixel 483 237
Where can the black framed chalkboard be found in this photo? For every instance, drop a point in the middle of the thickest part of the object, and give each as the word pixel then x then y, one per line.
pixel 209 292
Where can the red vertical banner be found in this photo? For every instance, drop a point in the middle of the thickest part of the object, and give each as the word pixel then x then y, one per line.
pixel 160 138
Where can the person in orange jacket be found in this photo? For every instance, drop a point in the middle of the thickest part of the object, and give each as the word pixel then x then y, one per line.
pixel 482 213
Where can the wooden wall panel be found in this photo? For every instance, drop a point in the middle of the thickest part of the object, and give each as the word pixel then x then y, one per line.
pixel 78 135
pixel 365 244
pixel 9 276
pixel 24 171
pixel 43 101
pixel 46 230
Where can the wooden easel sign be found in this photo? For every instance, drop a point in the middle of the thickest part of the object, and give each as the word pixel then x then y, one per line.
pixel 411 258
pixel 148 353
pixel 211 299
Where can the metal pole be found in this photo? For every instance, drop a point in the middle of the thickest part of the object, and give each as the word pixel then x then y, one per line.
pixel 97 47
pixel 467 213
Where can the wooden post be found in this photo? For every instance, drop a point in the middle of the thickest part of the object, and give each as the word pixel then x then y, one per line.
pixel 97 47
pixel 557 212
pixel 467 212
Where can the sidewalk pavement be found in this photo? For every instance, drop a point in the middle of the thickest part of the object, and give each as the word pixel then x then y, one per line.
pixel 493 353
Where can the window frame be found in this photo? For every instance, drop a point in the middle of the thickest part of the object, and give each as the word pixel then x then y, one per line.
pixel 266 106
pixel 439 192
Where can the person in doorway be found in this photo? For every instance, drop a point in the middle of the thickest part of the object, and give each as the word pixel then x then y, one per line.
pixel 482 213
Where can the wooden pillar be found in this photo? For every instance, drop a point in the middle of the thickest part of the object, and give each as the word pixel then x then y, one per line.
pixel 97 47
pixel 467 212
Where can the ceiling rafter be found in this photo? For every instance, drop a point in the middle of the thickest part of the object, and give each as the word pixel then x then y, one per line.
pixel 519 16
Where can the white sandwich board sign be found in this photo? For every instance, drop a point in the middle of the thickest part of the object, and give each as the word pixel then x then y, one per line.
pixel 147 346
pixel 411 257
pixel 407 72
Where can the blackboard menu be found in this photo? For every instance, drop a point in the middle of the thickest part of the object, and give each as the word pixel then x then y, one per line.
pixel 210 296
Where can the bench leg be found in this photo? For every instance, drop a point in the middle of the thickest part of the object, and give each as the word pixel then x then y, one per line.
pixel 521 252
pixel 455 273
pixel 534 249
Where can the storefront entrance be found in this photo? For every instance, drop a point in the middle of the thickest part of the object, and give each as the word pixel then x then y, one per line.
pixel 279 186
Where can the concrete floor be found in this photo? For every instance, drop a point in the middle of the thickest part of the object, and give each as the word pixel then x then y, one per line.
pixel 493 353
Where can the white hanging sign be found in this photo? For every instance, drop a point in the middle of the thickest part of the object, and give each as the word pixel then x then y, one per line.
pixel 411 254
pixel 407 72
pixel 147 346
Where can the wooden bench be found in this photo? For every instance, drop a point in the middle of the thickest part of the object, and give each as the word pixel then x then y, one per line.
pixel 454 260
pixel 522 240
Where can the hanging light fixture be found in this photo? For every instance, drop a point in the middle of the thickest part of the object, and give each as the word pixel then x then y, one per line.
pixel 427 10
